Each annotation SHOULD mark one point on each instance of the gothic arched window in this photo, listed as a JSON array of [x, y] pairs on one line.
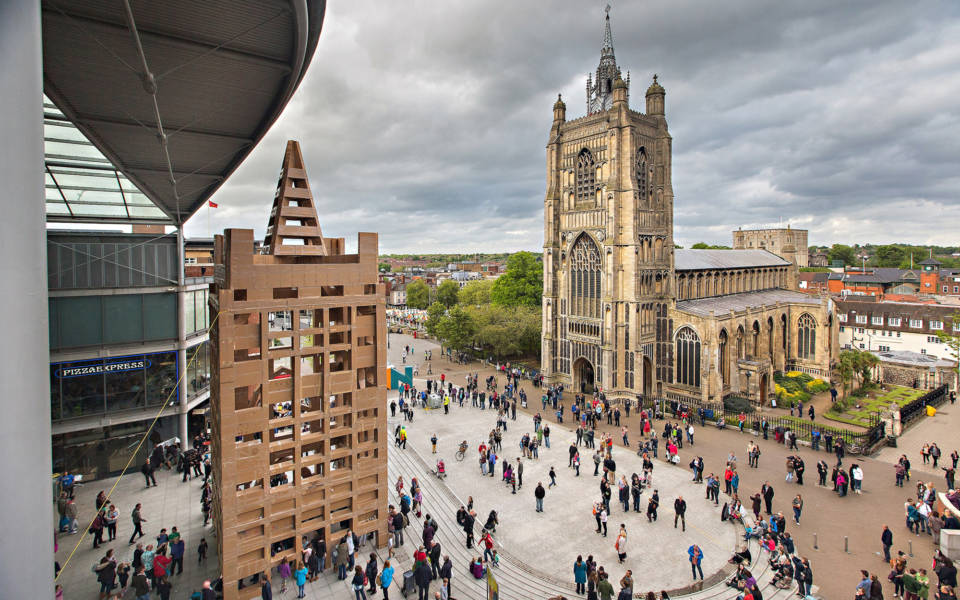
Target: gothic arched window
[[586, 177], [642, 174], [585, 265], [806, 337], [724, 358], [687, 350]]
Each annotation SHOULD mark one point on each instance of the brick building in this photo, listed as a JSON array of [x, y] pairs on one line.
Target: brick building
[[297, 401]]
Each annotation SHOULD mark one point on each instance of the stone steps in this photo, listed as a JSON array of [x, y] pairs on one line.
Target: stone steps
[[515, 579]]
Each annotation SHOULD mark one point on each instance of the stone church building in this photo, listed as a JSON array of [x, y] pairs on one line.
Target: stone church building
[[625, 311]]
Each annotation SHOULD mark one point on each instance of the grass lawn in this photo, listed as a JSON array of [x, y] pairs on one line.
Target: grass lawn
[[876, 401]]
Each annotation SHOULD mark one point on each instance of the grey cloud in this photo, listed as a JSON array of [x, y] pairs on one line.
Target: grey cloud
[[427, 121]]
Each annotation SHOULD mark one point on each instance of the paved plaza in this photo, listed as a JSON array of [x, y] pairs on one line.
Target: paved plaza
[[539, 548], [550, 541]]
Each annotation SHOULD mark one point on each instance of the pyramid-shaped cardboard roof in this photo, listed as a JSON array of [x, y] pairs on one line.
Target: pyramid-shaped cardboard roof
[[294, 229]]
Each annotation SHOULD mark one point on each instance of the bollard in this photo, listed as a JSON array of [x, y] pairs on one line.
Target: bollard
[[815, 546], [910, 548], [846, 544]]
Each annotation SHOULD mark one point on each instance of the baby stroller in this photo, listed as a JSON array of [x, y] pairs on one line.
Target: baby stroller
[[491, 525], [441, 470]]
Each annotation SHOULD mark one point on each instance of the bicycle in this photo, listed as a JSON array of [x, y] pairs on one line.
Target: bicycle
[[461, 452]]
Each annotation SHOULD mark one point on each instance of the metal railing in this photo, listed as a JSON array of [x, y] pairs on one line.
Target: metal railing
[[917, 408]]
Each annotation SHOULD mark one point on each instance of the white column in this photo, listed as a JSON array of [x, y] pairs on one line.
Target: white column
[[182, 431], [24, 360]]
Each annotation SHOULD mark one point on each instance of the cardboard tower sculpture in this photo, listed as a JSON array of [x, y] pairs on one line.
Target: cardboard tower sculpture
[[297, 401]]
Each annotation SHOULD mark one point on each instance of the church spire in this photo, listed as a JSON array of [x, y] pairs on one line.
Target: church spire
[[607, 50], [600, 89]]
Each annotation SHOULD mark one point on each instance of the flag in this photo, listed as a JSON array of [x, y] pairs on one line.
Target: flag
[[212, 203]]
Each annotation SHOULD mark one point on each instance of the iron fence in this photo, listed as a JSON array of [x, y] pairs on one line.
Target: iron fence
[[917, 408]]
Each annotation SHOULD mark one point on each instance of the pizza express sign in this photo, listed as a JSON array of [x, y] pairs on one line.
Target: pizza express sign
[[102, 368]]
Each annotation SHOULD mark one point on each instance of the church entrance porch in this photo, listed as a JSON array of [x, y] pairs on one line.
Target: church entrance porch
[[583, 376]]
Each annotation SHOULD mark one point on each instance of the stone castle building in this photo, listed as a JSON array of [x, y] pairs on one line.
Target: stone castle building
[[788, 243], [622, 308]]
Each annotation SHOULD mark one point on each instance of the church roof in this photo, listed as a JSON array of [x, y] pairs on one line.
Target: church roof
[[719, 305], [691, 260]]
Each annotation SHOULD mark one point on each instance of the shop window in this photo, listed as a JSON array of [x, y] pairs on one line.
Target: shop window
[[280, 410]]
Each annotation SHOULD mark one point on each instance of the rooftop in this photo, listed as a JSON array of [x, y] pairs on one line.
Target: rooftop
[[914, 358], [691, 260], [739, 302]]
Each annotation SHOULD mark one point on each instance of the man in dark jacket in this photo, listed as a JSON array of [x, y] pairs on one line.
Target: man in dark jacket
[[468, 520], [680, 511], [446, 572], [266, 590], [398, 529], [886, 538], [767, 492], [539, 494], [422, 577], [435, 559]]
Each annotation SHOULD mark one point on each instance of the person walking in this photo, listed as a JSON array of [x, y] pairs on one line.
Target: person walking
[[679, 512], [539, 494], [797, 508], [138, 522], [696, 555], [580, 574], [553, 477]]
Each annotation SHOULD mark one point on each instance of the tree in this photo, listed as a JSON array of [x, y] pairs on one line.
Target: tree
[[435, 315], [890, 256], [843, 253], [418, 294], [845, 368], [457, 329], [521, 284], [475, 293], [447, 293], [383, 267], [706, 246]]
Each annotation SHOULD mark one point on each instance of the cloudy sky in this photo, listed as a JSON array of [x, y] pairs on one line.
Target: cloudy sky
[[427, 121]]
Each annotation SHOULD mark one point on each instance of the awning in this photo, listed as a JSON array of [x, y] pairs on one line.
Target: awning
[[175, 94]]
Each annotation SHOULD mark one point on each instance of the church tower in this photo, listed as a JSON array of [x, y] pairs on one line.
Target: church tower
[[608, 240]]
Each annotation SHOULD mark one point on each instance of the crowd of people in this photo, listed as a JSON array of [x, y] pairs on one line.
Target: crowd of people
[[151, 566]]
